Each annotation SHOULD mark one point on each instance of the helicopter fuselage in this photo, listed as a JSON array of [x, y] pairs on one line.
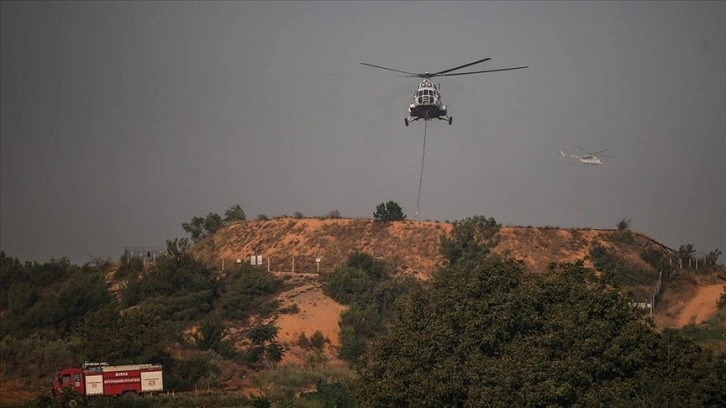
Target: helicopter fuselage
[[427, 104]]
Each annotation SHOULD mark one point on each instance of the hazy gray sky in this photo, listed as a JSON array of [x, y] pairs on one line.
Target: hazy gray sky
[[122, 120]]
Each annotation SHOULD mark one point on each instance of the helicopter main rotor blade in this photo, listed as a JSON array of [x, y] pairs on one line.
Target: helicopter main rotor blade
[[480, 72], [460, 67], [583, 149], [600, 151], [390, 69]]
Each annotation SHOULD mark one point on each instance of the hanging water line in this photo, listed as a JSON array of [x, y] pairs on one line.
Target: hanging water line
[[420, 180]]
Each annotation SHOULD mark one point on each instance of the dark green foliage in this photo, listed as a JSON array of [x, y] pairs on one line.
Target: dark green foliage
[[177, 287], [292, 309], [470, 239], [640, 282], [260, 401], [263, 334], [686, 252], [211, 337], [358, 325], [338, 394], [30, 356], [234, 213], [200, 370], [374, 268], [387, 212], [303, 341], [317, 341], [200, 227], [247, 290], [654, 258], [265, 347], [363, 283], [195, 228], [624, 236], [20, 297], [49, 298], [491, 336], [356, 279], [133, 336], [213, 223], [624, 223], [129, 266]]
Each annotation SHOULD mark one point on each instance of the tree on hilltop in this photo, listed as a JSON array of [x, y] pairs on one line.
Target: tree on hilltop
[[200, 227], [387, 212], [234, 213]]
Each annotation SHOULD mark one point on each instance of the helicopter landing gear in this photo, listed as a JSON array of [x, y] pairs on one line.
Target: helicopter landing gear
[[405, 120], [451, 119]]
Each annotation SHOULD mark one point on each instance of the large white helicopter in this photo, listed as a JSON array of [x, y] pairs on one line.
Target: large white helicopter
[[590, 158], [427, 103]]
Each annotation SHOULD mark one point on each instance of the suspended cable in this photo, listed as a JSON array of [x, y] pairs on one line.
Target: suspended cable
[[420, 180]]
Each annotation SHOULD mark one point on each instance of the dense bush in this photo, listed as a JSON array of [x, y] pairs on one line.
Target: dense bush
[[493, 336], [621, 272], [387, 212], [247, 290], [470, 239], [363, 284], [50, 298], [177, 287]]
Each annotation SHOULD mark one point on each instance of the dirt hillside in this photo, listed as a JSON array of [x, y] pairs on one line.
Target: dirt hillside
[[701, 306], [290, 246], [410, 247]]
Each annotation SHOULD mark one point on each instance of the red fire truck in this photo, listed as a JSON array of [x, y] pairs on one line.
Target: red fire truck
[[95, 379]]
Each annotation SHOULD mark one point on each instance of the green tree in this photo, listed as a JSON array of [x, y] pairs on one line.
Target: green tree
[[624, 223], [234, 213], [211, 337], [363, 284], [387, 212], [317, 341], [265, 346], [247, 290], [195, 228], [470, 239], [124, 338], [200, 227], [177, 287], [492, 336], [212, 223]]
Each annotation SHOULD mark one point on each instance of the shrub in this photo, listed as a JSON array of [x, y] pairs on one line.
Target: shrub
[[234, 213], [624, 223], [387, 212]]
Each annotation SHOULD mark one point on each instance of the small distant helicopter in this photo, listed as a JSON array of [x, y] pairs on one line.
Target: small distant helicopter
[[427, 103], [590, 158]]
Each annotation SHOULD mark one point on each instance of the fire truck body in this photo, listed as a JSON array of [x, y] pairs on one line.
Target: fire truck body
[[96, 379]]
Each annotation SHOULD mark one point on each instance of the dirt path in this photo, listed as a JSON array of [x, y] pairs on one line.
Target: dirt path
[[701, 306], [316, 311]]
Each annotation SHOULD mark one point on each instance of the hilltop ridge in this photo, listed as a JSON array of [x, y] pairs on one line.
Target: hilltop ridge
[[409, 247]]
